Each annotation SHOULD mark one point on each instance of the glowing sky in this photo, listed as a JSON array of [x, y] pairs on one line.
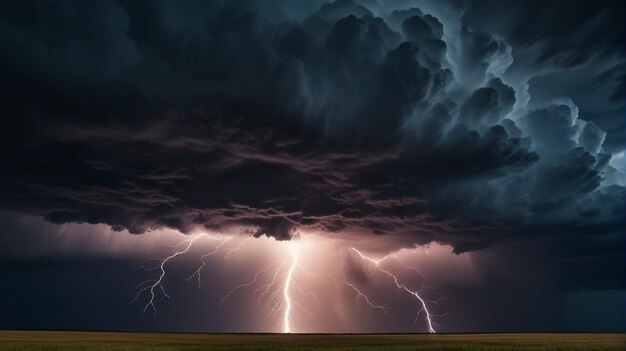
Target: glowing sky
[[313, 166]]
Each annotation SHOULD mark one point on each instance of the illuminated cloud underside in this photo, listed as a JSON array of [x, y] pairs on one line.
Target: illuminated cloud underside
[[280, 286]]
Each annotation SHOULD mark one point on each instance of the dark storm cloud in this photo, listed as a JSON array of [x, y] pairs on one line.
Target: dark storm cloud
[[563, 44], [555, 34], [184, 115]]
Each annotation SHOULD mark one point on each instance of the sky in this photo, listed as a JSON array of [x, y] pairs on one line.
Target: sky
[[313, 166]]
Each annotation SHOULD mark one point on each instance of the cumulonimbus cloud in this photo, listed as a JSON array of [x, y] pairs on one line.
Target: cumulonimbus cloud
[[355, 117]]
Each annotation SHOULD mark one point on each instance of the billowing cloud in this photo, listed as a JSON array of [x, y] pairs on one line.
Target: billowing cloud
[[352, 118]]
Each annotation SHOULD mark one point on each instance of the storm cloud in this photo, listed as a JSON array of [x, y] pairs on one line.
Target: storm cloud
[[360, 117]]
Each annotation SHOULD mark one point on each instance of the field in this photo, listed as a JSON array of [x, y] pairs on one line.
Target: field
[[25, 341]]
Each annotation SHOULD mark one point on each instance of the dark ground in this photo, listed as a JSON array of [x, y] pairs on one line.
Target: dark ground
[[43, 340]]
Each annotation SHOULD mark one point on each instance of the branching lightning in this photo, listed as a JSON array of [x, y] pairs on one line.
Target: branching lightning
[[276, 286], [278, 294], [423, 303], [153, 284]]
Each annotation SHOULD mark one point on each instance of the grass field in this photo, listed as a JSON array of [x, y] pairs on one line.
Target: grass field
[[26, 341]]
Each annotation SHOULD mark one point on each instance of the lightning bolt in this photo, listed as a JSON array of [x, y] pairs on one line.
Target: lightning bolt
[[287, 297], [277, 295], [153, 284], [276, 286], [423, 303]]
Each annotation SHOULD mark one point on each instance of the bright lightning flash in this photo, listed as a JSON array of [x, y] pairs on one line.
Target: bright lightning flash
[[281, 291], [279, 294], [286, 296]]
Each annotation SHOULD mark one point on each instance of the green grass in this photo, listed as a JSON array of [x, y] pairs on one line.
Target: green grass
[[79, 341]]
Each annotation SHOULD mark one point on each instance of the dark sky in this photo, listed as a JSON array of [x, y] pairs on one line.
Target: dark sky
[[492, 131]]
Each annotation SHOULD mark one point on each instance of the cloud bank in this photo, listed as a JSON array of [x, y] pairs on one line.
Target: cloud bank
[[425, 124]]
